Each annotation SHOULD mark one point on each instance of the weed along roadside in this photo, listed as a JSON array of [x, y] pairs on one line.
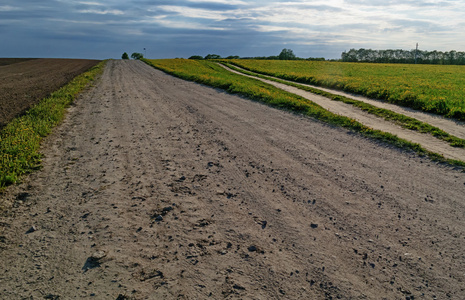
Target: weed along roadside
[[20, 139], [210, 73]]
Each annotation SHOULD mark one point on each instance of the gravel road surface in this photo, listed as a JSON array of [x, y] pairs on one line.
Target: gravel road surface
[[159, 188]]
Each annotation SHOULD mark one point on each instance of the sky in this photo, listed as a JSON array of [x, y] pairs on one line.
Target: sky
[[100, 29]]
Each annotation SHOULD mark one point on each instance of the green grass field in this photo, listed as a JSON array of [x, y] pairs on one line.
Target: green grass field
[[432, 88]]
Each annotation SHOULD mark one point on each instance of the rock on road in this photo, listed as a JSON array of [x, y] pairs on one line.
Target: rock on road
[[159, 188]]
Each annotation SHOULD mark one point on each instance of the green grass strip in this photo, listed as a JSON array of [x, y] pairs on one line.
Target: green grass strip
[[20, 139], [399, 119], [211, 74]]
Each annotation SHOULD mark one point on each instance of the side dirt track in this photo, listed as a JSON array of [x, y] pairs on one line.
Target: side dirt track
[[159, 188], [25, 82], [427, 141], [454, 127]]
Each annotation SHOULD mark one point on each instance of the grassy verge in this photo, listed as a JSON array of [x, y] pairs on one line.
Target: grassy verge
[[399, 119], [210, 73], [20, 139]]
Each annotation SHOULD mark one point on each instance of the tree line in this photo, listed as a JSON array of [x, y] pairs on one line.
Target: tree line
[[404, 56], [286, 54]]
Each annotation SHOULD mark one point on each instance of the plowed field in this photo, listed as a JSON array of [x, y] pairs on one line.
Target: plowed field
[[10, 61], [23, 82]]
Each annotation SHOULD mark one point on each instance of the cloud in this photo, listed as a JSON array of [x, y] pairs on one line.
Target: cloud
[[8, 8], [182, 11], [90, 3], [115, 12], [190, 26], [227, 2], [246, 28]]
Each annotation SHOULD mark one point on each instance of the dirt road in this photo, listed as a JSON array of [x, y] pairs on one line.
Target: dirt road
[[158, 188]]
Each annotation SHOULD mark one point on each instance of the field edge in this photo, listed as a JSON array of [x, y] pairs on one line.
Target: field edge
[[20, 139]]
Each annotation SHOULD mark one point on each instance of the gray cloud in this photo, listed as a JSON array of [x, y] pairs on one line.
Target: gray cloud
[[105, 29], [413, 3]]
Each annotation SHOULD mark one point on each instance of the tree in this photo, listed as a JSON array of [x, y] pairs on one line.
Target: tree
[[212, 56], [136, 55], [125, 56], [350, 56], [287, 54], [196, 57]]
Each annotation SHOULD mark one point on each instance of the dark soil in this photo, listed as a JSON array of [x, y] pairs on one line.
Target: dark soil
[[24, 82], [10, 61]]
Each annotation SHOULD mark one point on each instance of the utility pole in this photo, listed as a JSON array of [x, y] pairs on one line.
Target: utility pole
[[145, 52], [416, 54]]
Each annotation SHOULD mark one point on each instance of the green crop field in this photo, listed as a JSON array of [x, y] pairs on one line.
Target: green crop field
[[432, 88]]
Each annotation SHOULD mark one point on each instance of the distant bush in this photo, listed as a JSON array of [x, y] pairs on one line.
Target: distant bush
[[136, 55], [196, 57], [212, 56], [125, 56]]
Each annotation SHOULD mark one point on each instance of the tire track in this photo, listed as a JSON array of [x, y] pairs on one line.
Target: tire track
[[425, 140]]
